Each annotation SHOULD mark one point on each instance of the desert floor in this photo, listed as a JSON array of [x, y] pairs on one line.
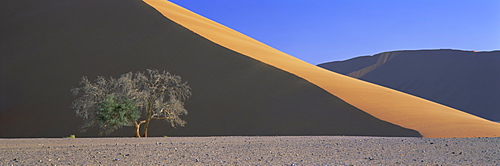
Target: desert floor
[[272, 150]]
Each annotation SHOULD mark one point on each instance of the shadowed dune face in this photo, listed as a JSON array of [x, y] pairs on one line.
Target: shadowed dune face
[[46, 47], [428, 118], [464, 80]]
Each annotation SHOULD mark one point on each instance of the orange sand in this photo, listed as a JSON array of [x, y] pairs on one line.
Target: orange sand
[[429, 118]]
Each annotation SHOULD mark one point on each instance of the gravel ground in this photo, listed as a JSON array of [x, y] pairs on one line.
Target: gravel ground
[[279, 150]]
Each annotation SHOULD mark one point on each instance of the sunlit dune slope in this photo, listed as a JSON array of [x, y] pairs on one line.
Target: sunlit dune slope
[[47, 46], [428, 118]]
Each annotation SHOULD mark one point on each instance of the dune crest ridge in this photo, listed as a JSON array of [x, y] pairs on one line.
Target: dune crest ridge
[[430, 119], [233, 94], [381, 61]]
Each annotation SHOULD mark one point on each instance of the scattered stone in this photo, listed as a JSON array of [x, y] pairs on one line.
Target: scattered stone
[[264, 150]]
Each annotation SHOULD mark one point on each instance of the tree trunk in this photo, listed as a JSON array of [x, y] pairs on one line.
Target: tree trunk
[[149, 113], [137, 127], [146, 125]]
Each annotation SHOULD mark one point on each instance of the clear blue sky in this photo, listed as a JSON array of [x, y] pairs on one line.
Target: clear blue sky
[[318, 31]]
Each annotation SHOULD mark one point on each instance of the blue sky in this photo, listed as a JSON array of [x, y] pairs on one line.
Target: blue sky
[[319, 31]]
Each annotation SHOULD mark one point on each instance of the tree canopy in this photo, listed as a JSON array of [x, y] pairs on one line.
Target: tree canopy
[[114, 113], [112, 103]]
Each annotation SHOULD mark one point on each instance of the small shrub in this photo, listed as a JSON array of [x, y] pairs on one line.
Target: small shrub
[[71, 136]]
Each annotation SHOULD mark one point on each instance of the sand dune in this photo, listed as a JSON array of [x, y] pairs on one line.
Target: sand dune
[[240, 86], [464, 80], [429, 118], [48, 46]]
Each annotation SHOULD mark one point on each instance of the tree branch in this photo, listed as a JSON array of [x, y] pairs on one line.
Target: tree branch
[[161, 118]]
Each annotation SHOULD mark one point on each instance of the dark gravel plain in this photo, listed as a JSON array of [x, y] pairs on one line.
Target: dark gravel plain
[[272, 150]]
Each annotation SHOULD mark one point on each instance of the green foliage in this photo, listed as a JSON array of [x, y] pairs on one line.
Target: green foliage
[[71, 136], [115, 113]]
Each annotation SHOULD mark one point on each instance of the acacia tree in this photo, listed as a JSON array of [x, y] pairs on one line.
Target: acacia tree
[[153, 94]]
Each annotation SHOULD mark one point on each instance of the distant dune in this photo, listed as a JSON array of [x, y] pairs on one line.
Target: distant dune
[[465, 80], [240, 86]]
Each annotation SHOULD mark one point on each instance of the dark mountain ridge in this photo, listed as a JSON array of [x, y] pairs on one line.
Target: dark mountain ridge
[[465, 80]]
